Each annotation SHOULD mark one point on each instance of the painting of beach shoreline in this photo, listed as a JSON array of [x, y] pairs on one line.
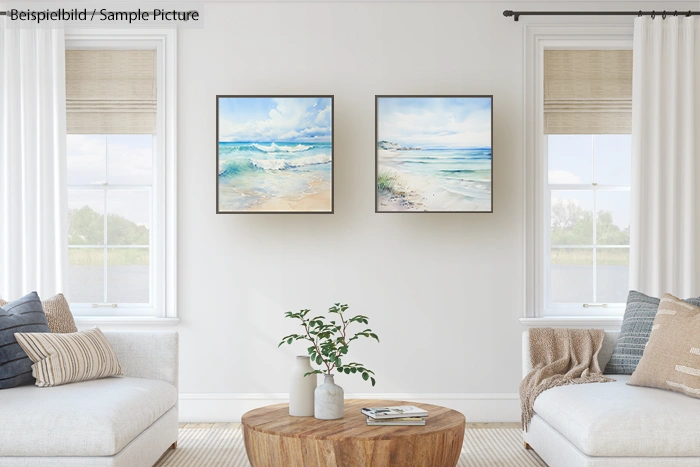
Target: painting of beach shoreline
[[274, 154], [433, 153]]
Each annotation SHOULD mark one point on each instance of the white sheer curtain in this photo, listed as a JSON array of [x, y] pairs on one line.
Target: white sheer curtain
[[33, 233], [665, 228]]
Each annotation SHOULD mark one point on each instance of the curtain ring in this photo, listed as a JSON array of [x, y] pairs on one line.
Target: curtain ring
[[664, 15], [675, 13], [688, 15], [653, 14], [640, 14]]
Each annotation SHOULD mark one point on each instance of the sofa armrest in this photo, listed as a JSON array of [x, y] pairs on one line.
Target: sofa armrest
[[151, 355]]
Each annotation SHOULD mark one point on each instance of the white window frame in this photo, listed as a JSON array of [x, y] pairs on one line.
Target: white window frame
[[163, 246], [539, 38]]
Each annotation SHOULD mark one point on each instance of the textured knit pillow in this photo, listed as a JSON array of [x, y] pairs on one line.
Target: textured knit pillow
[[634, 335], [68, 358], [672, 357], [23, 315], [57, 312]]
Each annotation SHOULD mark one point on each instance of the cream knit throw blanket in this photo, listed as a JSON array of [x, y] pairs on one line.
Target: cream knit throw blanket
[[560, 357]]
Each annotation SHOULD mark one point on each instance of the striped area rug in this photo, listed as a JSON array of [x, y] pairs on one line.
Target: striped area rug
[[219, 447]]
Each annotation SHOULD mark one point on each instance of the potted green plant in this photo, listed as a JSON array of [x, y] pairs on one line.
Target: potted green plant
[[330, 341]]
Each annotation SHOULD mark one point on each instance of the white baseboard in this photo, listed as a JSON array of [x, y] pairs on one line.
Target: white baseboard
[[229, 407]]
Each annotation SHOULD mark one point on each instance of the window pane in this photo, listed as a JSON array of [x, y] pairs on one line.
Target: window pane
[[86, 275], [571, 275], [86, 159], [570, 159], [613, 159], [612, 272], [130, 159], [572, 217], [128, 278], [86, 217], [613, 220], [129, 217]]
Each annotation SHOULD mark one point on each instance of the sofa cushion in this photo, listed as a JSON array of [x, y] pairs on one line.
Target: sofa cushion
[[672, 357], [91, 418], [636, 326], [23, 315], [69, 357], [617, 420], [58, 314]]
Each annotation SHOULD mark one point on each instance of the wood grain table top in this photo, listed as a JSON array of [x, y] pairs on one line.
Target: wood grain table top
[[275, 419]]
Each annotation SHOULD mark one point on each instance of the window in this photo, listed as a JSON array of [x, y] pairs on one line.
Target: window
[[588, 207], [121, 173], [578, 173], [110, 219]]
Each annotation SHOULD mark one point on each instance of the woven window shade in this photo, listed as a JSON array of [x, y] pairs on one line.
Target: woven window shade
[[111, 91], [587, 91]]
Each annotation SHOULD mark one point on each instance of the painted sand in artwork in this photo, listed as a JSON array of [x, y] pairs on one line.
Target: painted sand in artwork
[[434, 154], [275, 154]]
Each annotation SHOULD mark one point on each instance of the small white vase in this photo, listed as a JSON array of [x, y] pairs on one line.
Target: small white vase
[[329, 400], [301, 389]]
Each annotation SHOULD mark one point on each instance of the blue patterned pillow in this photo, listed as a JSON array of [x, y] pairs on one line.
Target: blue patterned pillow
[[634, 335], [23, 315]]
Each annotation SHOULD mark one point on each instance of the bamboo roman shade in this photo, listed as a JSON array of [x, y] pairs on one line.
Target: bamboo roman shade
[[111, 91], [587, 91]]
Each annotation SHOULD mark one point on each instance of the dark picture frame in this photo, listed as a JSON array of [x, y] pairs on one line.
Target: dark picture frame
[[377, 140], [218, 172]]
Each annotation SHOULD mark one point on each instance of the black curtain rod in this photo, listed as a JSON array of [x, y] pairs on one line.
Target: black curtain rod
[[517, 14]]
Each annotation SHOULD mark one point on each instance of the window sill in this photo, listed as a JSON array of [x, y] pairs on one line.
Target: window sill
[[84, 321], [609, 323]]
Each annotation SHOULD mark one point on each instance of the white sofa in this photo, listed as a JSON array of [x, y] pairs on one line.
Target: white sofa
[[613, 424], [127, 421]]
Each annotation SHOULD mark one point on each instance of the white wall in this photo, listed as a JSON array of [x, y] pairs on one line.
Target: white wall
[[443, 291]]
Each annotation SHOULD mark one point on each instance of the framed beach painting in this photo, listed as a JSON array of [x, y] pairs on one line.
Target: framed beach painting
[[274, 154], [433, 153]]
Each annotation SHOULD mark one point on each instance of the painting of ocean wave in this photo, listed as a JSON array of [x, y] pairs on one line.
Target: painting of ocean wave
[[275, 154], [434, 154]]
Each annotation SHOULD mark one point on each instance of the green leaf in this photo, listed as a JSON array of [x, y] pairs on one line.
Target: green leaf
[[319, 360], [289, 341], [365, 376], [354, 370], [337, 361], [346, 370], [373, 381]]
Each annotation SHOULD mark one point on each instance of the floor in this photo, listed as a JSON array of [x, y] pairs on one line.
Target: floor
[[222, 445], [204, 426]]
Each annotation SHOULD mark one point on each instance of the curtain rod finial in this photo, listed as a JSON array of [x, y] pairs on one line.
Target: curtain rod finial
[[508, 13]]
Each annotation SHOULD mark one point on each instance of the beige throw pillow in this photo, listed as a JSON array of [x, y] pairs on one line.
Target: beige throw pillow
[[671, 359], [68, 358], [58, 314]]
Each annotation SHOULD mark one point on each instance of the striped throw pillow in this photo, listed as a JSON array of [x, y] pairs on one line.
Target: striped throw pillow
[[23, 315], [671, 359], [58, 313], [69, 358]]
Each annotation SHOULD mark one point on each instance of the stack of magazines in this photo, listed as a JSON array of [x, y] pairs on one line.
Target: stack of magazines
[[402, 415]]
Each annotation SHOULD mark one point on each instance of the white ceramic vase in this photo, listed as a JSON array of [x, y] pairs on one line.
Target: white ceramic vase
[[329, 400], [301, 389]]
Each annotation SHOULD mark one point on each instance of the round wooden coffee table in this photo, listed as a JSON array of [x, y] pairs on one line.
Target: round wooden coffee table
[[273, 438]]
